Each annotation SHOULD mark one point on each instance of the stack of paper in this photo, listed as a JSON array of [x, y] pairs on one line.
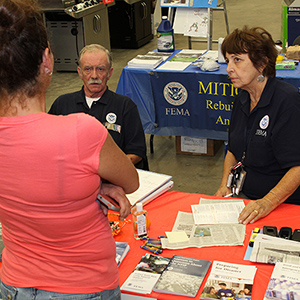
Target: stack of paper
[[181, 60], [145, 61], [269, 249], [187, 55], [164, 55]]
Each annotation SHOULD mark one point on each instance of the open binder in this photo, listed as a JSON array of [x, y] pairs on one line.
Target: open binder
[[152, 185]]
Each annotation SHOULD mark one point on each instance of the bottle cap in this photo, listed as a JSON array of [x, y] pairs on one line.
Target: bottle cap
[[139, 207]]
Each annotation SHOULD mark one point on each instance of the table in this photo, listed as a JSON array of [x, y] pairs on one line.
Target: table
[[185, 103], [162, 213]]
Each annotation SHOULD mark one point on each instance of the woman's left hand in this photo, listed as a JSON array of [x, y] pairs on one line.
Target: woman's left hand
[[260, 208], [255, 210]]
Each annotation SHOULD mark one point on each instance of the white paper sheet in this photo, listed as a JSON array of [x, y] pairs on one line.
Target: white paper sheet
[[217, 213], [174, 65]]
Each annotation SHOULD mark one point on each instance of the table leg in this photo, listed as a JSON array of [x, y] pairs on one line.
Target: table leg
[[151, 143]]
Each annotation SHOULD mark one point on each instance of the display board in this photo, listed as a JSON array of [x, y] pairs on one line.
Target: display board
[[189, 3], [191, 21]]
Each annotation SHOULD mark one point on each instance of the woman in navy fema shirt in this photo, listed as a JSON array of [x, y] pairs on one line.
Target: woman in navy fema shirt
[[264, 133]]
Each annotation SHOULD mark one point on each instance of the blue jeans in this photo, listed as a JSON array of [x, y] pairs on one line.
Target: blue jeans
[[16, 293]]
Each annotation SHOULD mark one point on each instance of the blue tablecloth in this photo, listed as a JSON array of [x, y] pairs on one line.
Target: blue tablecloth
[[185, 103]]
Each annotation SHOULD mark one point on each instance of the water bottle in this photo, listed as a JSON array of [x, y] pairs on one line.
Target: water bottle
[[165, 36]]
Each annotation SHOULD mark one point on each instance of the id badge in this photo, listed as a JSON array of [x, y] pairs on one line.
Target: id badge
[[236, 178]]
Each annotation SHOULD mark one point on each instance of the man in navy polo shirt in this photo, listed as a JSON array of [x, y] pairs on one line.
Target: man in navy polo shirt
[[117, 113]]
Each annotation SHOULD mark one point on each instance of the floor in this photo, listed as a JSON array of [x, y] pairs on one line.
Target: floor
[[194, 174]]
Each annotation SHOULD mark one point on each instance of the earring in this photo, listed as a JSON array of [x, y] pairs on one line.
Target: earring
[[261, 78], [48, 71]]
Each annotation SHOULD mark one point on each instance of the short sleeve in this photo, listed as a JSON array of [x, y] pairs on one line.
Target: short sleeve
[[91, 135], [286, 137]]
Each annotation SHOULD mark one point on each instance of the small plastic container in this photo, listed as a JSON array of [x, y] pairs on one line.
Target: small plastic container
[[165, 36], [140, 223]]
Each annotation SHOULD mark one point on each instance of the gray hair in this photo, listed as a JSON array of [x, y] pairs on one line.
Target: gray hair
[[94, 48]]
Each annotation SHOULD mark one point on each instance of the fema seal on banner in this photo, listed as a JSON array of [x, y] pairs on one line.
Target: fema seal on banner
[[175, 93]]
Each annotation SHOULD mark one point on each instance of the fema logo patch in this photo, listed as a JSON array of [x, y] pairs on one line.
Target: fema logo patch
[[264, 122], [111, 118], [175, 93]]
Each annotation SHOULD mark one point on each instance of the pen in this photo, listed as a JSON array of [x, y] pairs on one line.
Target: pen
[[229, 195]]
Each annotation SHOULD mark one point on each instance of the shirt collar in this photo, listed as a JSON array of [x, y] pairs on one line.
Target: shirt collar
[[265, 98], [102, 100]]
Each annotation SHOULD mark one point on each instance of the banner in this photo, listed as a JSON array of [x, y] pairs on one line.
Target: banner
[[192, 100]]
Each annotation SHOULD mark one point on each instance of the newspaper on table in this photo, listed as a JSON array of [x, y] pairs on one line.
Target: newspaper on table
[[284, 282], [236, 277], [209, 201], [217, 212], [269, 249], [205, 235]]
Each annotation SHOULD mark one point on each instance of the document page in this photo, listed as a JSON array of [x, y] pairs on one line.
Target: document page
[[212, 201], [217, 213]]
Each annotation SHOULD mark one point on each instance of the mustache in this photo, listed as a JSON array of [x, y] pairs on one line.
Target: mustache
[[95, 81]]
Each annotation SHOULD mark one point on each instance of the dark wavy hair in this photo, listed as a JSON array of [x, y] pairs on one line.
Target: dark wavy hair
[[23, 39], [259, 45]]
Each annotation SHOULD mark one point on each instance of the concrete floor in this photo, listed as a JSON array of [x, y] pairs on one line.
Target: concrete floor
[[195, 174]]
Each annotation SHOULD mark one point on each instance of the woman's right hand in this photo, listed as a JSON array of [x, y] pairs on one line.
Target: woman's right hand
[[229, 162], [118, 194], [223, 191]]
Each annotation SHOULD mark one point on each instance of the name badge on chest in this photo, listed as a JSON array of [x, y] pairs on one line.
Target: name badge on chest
[[113, 127]]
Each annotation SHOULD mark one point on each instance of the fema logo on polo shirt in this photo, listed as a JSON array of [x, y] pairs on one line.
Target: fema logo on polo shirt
[[111, 118], [264, 122], [175, 93]]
